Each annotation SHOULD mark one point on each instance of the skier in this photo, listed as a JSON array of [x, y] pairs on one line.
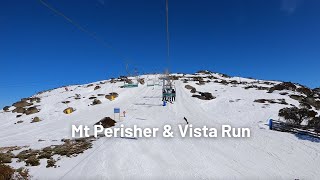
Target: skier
[[164, 95], [173, 95]]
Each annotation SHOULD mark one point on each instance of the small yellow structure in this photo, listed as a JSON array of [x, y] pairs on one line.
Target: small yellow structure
[[69, 110]]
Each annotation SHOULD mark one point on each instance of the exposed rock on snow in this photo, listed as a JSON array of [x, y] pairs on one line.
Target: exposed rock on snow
[[106, 122], [65, 102], [204, 96], [272, 101], [141, 81], [97, 87], [283, 86], [19, 110], [109, 96], [21, 104], [6, 108], [35, 119], [31, 110], [69, 109], [96, 101]]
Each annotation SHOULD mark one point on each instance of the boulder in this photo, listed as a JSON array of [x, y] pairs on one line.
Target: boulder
[[141, 81], [114, 94], [106, 122], [261, 101], [96, 101], [21, 104], [35, 119], [97, 87], [189, 87], [6, 108], [31, 110], [19, 110], [224, 82], [201, 83], [109, 96], [204, 96], [196, 78]]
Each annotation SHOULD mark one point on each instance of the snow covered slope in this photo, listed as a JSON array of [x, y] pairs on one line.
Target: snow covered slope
[[265, 155]]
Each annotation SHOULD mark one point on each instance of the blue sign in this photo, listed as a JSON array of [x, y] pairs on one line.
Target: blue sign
[[116, 110]]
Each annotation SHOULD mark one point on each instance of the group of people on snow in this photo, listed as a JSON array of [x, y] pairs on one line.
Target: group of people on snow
[[168, 95]]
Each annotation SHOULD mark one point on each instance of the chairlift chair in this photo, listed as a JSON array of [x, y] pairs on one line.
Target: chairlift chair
[[167, 88], [130, 84], [150, 82]]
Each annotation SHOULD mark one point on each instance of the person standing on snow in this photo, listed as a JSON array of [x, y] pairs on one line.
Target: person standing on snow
[[163, 95], [173, 95]]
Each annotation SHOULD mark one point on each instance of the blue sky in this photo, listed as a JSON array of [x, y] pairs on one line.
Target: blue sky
[[266, 39]]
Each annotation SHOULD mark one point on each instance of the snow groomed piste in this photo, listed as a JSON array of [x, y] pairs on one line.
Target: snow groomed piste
[[266, 154]]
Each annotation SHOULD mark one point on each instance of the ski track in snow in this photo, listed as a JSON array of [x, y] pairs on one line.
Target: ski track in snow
[[266, 155]]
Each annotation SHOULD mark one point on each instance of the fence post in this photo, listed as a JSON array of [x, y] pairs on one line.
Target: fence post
[[270, 124]]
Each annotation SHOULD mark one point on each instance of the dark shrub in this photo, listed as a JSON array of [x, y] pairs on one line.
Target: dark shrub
[[305, 90], [6, 157], [32, 161], [295, 115], [283, 86], [6, 172]]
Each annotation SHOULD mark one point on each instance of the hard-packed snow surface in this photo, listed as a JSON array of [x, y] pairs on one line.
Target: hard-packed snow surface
[[266, 155]]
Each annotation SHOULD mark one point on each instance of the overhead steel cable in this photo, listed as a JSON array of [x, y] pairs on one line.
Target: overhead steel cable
[[168, 35], [77, 25]]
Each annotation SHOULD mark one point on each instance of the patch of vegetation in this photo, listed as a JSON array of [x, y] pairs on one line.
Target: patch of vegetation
[[6, 157], [6, 172], [296, 116], [51, 163], [283, 86], [32, 161], [26, 154], [68, 148]]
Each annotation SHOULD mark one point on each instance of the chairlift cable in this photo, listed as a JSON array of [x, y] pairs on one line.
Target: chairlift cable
[[81, 28]]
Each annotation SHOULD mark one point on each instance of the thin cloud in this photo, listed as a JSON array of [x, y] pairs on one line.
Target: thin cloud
[[102, 2], [290, 6]]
